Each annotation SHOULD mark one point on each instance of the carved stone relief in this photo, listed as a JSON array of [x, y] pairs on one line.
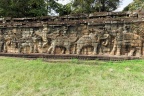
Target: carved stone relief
[[92, 36]]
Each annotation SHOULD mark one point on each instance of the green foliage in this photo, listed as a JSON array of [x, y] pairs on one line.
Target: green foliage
[[52, 5], [22, 8], [88, 6], [135, 5], [37, 8], [30, 8], [64, 9]]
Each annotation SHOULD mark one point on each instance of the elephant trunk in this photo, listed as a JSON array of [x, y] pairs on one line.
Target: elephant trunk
[[107, 41], [44, 44]]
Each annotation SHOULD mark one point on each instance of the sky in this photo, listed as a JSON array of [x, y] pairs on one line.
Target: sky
[[123, 4]]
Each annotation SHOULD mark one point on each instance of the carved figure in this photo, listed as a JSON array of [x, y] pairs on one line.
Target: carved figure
[[37, 42], [27, 42], [104, 42], [7, 42], [43, 35], [15, 37], [92, 39], [61, 41], [133, 41], [1, 41]]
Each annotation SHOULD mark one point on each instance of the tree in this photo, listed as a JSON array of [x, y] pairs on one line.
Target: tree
[[51, 5], [37, 8], [135, 5], [88, 6], [30, 8], [22, 8], [64, 9]]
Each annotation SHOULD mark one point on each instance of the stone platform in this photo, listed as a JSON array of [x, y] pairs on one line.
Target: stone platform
[[72, 56]]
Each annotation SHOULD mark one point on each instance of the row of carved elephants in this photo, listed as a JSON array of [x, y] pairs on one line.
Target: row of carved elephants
[[42, 42]]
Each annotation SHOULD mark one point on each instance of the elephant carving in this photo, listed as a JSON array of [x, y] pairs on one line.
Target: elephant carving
[[37, 43], [27, 42], [7, 42], [60, 40], [131, 40], [92, 39], [43, 34]]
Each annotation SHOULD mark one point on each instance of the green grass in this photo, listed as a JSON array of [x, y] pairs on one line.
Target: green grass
[[23, 77]]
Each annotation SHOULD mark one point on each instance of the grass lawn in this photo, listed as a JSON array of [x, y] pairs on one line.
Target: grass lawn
[[23, 77]]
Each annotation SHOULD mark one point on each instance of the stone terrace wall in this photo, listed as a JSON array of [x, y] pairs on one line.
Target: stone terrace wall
[[100, 33]]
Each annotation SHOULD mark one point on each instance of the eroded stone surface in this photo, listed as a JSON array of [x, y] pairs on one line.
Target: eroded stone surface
[[100, 33]]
